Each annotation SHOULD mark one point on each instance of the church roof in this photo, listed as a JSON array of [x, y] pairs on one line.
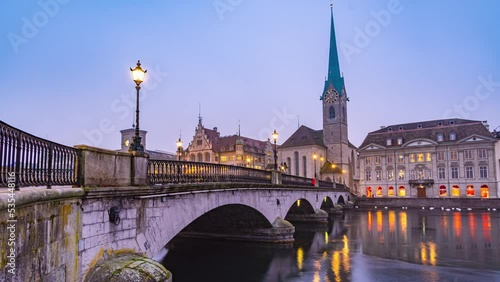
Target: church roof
[[304, 136], [426, 130]]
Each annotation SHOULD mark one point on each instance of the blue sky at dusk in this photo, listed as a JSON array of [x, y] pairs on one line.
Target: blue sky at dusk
[[65, 65]]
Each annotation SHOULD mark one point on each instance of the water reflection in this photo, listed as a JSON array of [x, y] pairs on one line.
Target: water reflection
[[381, 245]]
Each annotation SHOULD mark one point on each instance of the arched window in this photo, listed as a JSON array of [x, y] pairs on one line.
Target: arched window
[[485, 192], [453, 136], [288, 165], [296, 158], [304, 164], [379, 191], [390, 191], [470, 191], [343, 113], [192, 157], [455, 191], [199, 157], [442, 191], [369, 192], [207, 157], [332, 112], [402, 191]]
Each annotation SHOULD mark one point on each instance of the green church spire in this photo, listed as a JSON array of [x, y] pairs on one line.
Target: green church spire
[[334, 78]]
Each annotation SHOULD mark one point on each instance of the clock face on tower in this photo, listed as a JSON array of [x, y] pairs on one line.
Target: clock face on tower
[[331, 96], [127, 143]]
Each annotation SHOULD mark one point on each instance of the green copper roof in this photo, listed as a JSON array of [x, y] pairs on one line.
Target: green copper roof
[[334, 77]]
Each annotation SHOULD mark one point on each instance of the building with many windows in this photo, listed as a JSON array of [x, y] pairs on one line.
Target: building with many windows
[[440, 158], [208, 146]]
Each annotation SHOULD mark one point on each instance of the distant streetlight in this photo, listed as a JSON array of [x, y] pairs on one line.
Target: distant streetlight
[[138, 77], [179, 148], [315, 157], [275, 137]]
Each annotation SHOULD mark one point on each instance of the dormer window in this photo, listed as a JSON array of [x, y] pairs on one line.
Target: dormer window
[[388, 142], [390, 129], [453, 136], [452, 122], [440, 137], [401, 128], [440, 123], [419, 126], [400, 141]]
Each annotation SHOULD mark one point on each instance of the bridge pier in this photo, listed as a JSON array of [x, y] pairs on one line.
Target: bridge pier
[[319, 216]]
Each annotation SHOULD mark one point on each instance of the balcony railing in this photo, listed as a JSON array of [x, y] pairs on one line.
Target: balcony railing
[[164, 172], [27, 160]]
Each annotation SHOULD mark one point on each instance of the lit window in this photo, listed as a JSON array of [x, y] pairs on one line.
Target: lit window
[[378, 174], [390, 191], [401, 174], [390, 174], [483, 172], [442, 191], [420, 158], [485, 193], [377, 160], [428, 157], [441, 173], [231, 158], [440, 156], [401, 159], [402, 191], [454, 172], [453, 136], [223, 159], [468, 154], [469, 172], [368, 175], [400, 141], [389, 142], [455, 191], [412, 158], [369, 193], [481, 154], [420, 174], [470, 191], [379, 191], [440, 137]]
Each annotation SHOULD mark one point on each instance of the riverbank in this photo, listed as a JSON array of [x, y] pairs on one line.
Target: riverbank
[[475, 204]]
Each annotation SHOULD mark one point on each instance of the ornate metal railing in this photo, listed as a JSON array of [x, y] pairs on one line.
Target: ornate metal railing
[[295, 180], [164, 172], [28, 160]]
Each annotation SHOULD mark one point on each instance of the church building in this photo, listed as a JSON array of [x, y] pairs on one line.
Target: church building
[[325, 154]]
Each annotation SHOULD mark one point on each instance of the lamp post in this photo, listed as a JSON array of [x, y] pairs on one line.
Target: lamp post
[[275, 137], [179, 148], [315, 157], [138, 77]]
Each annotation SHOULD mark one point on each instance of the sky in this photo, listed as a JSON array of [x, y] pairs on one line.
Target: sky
[[259, 64]]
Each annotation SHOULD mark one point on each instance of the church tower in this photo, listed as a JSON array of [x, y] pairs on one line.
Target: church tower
[[334, 100]]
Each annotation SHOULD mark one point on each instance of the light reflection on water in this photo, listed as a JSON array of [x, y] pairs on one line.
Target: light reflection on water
[[378, 245]]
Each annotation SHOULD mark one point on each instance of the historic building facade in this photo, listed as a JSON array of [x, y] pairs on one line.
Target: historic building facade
[[436, 159], [208, 146], [325, 154]]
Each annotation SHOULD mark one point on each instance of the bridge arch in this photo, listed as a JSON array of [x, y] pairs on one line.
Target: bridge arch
[[341, 200], [327, 203]]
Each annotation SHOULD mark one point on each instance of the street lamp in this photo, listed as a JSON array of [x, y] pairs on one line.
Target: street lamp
[[275, 137], [315, 157], [179, 148], [138, 77]]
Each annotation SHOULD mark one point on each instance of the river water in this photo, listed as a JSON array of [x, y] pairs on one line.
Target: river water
[[369, 245]]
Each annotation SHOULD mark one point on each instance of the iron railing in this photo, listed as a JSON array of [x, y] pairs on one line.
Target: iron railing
[[295, 180], [34, 161], [164, 172]]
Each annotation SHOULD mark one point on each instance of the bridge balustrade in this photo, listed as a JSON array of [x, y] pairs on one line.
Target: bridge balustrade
[[35, 161], [164, 172]]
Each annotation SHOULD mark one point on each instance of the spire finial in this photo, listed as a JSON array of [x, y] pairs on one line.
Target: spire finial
[[239, 128], [199, 114]]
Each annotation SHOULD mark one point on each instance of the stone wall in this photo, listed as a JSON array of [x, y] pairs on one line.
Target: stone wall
[[46, 235]]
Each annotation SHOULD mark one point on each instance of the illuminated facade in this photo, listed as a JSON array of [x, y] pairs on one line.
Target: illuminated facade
[[208, 146], [434, 159]]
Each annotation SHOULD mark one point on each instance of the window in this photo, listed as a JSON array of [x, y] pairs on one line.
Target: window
[[420, 157], [402, 191], [377, 160], [440, 137], [390, 174], [483, 172], [442, 191], [400, 141], [379, 191], [401, 174], [388, 142], [429, 174], [420, 174], [401, 128], [454, 172], [468, 154], [453, 155], [369, 193], [419, 126], [428, 157], [481, 154], [296, 159], [389, 159], [239, 157], [231, 148], [455, 191], [470, 191], [199, 142], [368, 160], [441, 173], [413, 175], [332, 112], [223, 159], [469, 172], [412, 158], [231, 158], [440, 156], [453, 136], [378, 174], [485, 193], [390, 192], [368, 175], [304, 165], [401, 159]]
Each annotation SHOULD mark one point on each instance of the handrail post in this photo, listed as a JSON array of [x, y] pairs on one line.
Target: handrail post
[[18, 161], [49, 184]]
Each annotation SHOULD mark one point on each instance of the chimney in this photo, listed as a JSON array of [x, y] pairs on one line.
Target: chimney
[[215, 129], [485, 123]]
